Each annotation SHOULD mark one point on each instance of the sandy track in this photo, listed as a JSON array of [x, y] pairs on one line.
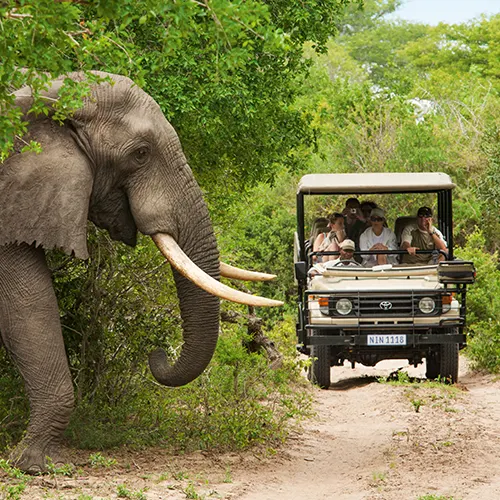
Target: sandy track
[[366, 442]]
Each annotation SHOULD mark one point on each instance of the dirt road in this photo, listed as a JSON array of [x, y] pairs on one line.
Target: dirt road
[[368, 442]]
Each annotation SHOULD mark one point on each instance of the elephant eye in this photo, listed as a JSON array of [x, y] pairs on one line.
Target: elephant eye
[[141, 154]]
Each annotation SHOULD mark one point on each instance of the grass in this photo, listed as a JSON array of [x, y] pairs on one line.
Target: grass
[[19, 481], [191, 492], [97, 460], [378, 478], [423, 392], [123, 492], [435, 497]]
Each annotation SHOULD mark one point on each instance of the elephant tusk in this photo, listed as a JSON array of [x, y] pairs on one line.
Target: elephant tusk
[[242, 274], [177, 258]]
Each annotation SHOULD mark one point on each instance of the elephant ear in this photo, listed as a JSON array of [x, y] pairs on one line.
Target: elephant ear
[[44, 197]]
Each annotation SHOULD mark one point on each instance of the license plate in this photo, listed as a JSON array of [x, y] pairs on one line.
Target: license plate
[[386, 339]]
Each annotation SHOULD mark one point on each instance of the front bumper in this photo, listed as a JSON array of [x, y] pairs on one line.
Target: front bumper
[[412, 339]]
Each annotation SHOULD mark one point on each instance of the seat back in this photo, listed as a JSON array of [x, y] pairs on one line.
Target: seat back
[[401, 223], [320, 225]]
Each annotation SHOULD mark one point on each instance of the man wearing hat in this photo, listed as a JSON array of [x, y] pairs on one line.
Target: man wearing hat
[[378, 237], [423, 236], [346, 249]]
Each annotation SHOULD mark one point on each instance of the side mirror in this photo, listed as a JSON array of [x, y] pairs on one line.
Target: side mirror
[[300, 271]]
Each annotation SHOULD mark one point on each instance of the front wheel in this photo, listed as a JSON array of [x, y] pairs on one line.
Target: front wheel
[[448, 369], [443, 363], [319, 371]]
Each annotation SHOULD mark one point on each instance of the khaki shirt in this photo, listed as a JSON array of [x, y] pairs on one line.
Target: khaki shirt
[[423, 241]]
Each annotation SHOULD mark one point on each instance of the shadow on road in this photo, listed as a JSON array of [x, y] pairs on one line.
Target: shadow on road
[[352, 383], [363, 380]]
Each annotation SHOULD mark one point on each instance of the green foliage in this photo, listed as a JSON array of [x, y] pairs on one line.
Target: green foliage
[[14, 488], [257, 233], [435, 497], [237, 402], [14, 407], [123, 492], [483, 301], [191, 493], [224, 73], [62, 470], [98, 460]]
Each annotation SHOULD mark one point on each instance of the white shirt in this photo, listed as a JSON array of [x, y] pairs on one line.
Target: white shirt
[[369, 238], [330, 264], [406, 234]]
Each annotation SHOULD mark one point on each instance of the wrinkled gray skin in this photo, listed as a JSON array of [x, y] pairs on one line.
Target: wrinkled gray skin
[[119, 163]]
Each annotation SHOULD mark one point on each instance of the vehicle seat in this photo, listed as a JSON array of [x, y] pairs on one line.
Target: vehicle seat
[[320, 225], [401, 223]]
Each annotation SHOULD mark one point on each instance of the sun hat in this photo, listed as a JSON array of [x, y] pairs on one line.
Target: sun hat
[[347, 245], [377, 212]]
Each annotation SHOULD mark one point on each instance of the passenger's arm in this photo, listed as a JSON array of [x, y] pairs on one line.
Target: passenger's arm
[[438, 242], [392, 243], [332, 247], [406, 245], [406, 237], [363, 242]]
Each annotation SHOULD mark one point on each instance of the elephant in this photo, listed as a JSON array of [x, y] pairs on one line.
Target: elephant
[[119, 163]]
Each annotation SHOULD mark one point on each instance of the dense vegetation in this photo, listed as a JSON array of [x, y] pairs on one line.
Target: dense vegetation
[[260, 92]]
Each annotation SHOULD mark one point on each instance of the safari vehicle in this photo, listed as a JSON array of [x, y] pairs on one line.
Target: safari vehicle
[[365, 315]]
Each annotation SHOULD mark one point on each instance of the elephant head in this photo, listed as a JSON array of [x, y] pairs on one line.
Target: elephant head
[[119, 163]]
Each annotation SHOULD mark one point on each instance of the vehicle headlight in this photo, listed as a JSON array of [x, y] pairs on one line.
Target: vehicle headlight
[[343, 306], [427, 305]]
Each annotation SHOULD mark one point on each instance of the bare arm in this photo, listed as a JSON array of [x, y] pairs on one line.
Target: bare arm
[[438, 242]]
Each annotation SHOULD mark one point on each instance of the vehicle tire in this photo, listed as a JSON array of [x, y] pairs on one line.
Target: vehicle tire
[[443, 363], [448, 367], [319, 372]]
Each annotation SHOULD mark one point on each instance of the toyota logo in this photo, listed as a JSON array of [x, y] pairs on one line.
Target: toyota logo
[[385, 305]]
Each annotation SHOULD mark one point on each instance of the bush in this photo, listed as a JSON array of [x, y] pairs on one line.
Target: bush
[[239, 401], [483, 304]]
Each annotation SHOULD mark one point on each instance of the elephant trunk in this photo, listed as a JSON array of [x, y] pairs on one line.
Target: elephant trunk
[[200, 317]]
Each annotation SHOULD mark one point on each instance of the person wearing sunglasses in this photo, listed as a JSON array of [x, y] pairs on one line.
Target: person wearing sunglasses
[[423, 236], [378, 237], [346, 257]]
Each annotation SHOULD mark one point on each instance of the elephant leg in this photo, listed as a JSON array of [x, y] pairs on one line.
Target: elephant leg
[[31, 331]]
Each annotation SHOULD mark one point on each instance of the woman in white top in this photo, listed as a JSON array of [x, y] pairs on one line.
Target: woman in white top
[[378, 237], [329, 242]]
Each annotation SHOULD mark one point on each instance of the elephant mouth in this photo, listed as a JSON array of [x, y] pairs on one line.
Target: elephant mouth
[[178, 259]]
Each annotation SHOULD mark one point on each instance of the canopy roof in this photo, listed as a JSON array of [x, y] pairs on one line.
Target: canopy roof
[[390, 182]]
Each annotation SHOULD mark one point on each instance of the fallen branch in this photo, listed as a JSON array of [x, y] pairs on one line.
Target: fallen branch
[[258, 339]]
